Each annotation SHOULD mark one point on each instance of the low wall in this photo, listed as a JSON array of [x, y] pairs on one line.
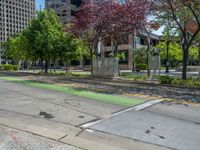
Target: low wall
[[106, 67], [190, 69]]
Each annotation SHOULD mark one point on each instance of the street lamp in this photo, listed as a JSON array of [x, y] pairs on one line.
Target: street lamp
[[167, 58]]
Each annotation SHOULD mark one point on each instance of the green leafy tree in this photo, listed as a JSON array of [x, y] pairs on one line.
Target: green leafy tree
[[41, 37], [70, 48], [16, 48], [45, 40], [183, 16], [175, 53], [140, 56]]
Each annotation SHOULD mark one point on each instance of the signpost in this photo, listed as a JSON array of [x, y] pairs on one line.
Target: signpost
[[154, 63]]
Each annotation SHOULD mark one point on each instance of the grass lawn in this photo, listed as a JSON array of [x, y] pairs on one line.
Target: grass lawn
[[113, 99]]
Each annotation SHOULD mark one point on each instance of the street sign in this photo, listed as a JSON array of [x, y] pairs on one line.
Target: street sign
[[154, 63]]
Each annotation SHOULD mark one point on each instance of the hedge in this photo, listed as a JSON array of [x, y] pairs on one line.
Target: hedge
[[9, 67], [141, 67], [190, 82]]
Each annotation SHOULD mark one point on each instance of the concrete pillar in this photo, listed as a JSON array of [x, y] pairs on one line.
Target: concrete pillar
[[81, 62], [130, 57], [102, 50]]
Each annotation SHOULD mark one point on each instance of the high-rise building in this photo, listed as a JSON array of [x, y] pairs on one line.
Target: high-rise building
[[14, 17], [65, 9]]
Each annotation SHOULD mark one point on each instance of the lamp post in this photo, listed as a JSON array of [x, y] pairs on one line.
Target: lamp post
[[149, 47], [167, 58]]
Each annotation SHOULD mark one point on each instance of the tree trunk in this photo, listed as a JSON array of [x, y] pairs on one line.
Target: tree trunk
[[66, 66], [42, 66], [185, 63], [54, 66], [148, 50], [34, 66], [26, 66], [12, 61], [46, 66], [116, 49], [91, 61]]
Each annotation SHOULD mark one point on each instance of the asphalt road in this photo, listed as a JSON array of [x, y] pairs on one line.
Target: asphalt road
[[27, 111], [170, 125]]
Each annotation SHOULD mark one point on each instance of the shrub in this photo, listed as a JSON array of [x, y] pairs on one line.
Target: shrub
[[7, 67], [125, 74], [15, 67], [190, 82], [166, 80], [138, 78], [1, 67], [141, 67]]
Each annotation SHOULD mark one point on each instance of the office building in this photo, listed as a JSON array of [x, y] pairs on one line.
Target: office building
[[14, 17], [65, 9]]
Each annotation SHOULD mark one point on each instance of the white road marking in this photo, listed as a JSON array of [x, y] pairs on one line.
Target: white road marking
[[136, 108], [89, 130], [147, 104], [84, 126]]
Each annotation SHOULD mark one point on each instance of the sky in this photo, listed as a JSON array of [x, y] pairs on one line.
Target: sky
[[39, 3]]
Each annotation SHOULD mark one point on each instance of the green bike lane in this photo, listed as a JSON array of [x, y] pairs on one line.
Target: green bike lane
[[107, 98]]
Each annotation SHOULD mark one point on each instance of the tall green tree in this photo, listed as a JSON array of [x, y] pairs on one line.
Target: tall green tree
[[70, 48], [16, 48], [183, 16], [175, 53]]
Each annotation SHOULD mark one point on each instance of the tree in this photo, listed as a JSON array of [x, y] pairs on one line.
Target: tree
[[70, 48], [45, 40], [111, 19], [174, 53], [41, 37], [184, 17], [15, 49], [140, 56]]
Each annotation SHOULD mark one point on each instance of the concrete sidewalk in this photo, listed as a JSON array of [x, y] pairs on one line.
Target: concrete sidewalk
[[12, 139]]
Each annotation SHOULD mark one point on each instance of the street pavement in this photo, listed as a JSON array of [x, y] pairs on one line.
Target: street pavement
[[32, 113], [169, 125]]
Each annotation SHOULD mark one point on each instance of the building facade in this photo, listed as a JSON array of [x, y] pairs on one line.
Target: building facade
[[131, 44], [65, 9], [14, 17]]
